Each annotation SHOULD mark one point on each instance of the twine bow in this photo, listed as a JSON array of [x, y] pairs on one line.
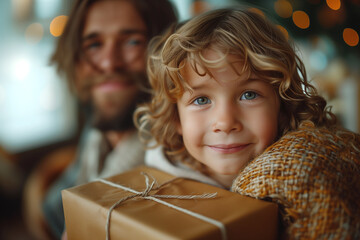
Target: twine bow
[[150, 186]]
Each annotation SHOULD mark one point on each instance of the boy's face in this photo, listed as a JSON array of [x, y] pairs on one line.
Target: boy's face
[[227, 120]]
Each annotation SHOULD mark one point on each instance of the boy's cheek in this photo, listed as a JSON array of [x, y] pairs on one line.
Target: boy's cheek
[[179, 128]]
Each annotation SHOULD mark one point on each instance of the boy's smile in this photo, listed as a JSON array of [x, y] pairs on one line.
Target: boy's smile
[[228, 148], [228, 119]]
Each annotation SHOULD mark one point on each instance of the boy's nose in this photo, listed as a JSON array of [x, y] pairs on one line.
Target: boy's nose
[[227, 120]]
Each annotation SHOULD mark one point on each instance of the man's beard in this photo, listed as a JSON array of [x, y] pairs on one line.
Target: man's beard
[[123, 120]]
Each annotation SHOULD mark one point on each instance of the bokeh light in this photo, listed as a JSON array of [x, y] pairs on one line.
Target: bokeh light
[[283, 8], [284, 31], [2, 95], [49, 101], [198, 7], [21, 9], [318, 60], [34, 33], [258, 11], [334, 4], [20, 68], [351, 37], [301, 19], [57, 25]]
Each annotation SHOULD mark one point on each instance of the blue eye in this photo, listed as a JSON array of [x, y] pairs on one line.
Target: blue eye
[[202, 101], [249, 95], [133, 42], [93, 45]]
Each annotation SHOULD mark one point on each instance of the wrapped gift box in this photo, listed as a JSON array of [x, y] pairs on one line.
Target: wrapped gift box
[[86, 209]]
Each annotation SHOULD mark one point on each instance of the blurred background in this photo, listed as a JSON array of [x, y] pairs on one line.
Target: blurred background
[[38, 113]]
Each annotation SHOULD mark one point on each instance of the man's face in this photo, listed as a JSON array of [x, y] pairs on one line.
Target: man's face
[[113, 60]]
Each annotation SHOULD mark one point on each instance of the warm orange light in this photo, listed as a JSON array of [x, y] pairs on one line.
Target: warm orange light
[[351, 37], [258, 11], [34, 33], [283, 8], [57, 25], [284, 31], [301, 19], [334, 4], [199, 7]]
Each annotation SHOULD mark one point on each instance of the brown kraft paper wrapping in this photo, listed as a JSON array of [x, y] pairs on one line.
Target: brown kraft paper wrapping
[[86, 208]]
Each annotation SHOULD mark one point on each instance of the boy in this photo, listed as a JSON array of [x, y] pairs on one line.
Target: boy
[[228, 92]]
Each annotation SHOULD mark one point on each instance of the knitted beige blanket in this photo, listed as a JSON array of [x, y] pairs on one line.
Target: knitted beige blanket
[[314, 176]]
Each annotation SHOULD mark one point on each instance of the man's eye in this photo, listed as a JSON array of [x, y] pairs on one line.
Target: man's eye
[[92, 45], [133, 42], [202, 101], [249, 95]]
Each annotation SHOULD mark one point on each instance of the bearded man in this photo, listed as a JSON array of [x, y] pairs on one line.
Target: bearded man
[[102, 54]]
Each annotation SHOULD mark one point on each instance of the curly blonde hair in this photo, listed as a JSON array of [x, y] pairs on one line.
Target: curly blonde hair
[[261, 46]]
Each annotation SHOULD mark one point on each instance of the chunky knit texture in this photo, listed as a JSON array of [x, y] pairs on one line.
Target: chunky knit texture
[[314, 176]]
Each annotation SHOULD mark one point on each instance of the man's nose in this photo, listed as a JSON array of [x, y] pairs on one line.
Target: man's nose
[[111, 59], [226, 119]]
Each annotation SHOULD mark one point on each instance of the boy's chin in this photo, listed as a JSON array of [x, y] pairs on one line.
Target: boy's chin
[[224, 178], [226, 173]]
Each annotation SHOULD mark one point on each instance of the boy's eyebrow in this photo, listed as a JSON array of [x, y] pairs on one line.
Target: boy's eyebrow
[[251, 79], [242, 81], [200, 85]]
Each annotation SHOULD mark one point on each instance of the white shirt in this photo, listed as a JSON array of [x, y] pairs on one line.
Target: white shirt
[[127, 154], [155, 158]]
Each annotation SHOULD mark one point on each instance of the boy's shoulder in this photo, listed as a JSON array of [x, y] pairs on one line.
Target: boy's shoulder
[[313, 173]]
